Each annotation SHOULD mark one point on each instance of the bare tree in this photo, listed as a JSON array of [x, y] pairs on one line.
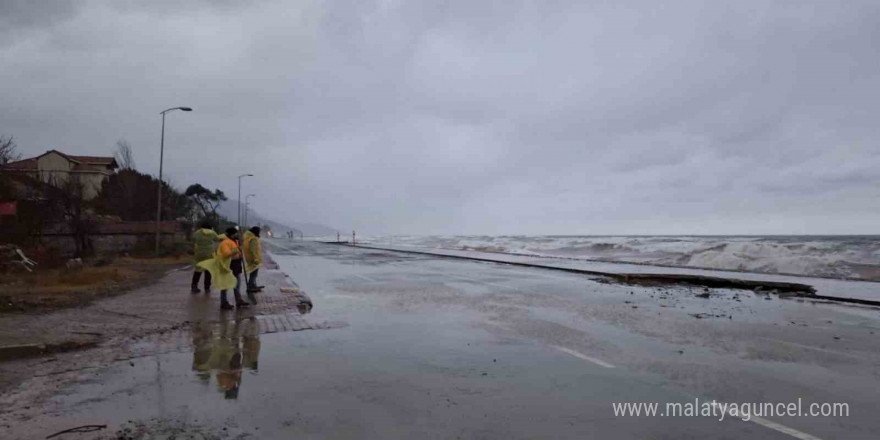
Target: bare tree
[[65, 197], [124, 155], [8, 151]]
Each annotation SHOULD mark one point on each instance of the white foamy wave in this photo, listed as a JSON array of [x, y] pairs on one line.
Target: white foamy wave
[[856, 257]]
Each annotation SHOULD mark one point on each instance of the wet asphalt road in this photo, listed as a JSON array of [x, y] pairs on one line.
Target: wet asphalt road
[[425, 347]]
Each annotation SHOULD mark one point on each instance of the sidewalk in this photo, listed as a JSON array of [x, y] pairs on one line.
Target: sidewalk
[[155, 317]]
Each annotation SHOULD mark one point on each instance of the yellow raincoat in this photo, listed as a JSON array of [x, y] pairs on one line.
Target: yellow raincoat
[[203, 243], [253, 251], [218, 266]]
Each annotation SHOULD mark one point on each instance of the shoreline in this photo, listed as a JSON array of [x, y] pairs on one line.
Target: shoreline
[[636, 263], [804, 291]]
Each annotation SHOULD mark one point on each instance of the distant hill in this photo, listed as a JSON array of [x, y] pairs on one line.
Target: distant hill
[[229, 208]]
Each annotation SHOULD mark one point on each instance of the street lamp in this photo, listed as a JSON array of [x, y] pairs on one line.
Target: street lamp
[[246, 205], [239, 195], [161, 157]]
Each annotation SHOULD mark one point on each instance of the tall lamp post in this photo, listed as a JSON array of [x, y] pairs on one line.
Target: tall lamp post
[[161, 159], [239, 196], [241, 233], [246, 205]]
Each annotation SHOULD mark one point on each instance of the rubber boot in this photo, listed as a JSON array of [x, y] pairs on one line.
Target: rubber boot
[[240, 303]]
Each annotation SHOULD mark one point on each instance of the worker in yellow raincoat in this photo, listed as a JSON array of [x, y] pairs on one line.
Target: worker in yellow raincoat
[[203, 243], [253, 255], [223, 276]]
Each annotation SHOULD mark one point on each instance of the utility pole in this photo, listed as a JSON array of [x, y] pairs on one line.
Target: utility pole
[[239, 196], [246, 206], [240, 232]]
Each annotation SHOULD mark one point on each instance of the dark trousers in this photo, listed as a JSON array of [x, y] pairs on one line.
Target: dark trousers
[[197, 275], [235, 291], [252, 279]]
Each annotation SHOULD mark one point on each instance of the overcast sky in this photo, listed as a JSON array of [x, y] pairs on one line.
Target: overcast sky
[[477, 117]]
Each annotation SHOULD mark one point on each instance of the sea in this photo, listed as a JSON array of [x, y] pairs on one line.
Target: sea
[[849, 257]]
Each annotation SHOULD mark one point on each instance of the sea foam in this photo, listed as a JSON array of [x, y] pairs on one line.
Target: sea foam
[[853, 257]]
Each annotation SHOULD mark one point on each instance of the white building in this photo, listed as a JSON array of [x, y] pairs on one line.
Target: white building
[[55, 167]]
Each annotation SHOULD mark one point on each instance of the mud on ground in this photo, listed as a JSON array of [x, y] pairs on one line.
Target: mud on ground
[[52, 289], [113, 326]]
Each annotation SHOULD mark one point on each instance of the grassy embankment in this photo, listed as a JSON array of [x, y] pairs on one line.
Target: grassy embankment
[[47, 289]]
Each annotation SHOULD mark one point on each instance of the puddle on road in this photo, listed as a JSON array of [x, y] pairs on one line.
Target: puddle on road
[[167, 385], [416, 373], [224, 351], [239, 384]]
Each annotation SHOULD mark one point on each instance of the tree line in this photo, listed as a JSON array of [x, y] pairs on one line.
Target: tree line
[[127, 194]]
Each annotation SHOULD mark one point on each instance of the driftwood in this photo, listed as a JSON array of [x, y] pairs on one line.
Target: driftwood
[[12, 256], [715, 282]]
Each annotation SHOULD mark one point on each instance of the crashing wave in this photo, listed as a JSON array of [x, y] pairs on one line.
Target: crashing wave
[[854, 257]]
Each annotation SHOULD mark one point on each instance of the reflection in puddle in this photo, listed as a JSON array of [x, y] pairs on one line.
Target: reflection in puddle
[[225, 349]]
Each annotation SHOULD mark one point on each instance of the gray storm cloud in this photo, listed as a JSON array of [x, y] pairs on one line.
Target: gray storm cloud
[[488, 117]]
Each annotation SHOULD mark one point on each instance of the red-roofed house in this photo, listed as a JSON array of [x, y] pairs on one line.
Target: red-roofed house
[[54, 167]]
